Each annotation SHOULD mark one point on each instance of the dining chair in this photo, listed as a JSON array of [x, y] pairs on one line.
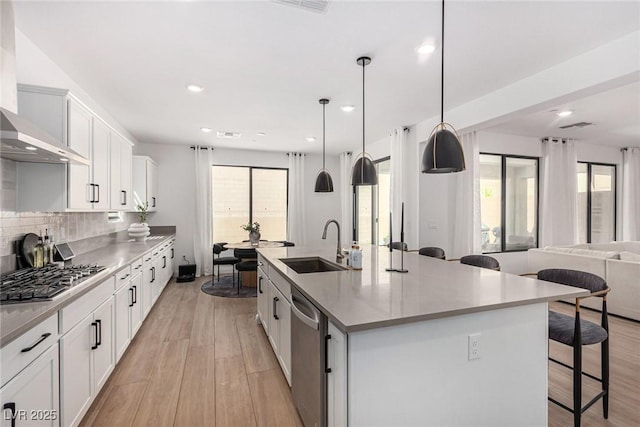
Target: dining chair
[[248, 262], [218, 248], [575, 332]]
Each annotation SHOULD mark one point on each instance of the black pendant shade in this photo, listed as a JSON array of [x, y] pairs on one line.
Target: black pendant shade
[[324, 183], [443, 153], [364, 171]]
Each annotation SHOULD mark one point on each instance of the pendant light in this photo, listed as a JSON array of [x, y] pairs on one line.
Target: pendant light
[[324, 183], [444, 152], [364, 171]]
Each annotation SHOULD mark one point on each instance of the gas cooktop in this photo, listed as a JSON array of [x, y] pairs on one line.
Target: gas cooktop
[[42, 284]]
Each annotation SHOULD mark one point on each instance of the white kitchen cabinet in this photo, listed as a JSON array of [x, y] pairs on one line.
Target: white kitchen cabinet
[[120, 172], [337, 378], [280, 328], [128, 310], [135, 305], [32, 396], [263, 299], [86, 361], [145, 182], [62, 187]]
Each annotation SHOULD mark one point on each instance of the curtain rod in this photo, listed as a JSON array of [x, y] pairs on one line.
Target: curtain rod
[[193, 147]]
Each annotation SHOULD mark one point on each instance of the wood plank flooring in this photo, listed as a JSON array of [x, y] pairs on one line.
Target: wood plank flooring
[[200, 360]]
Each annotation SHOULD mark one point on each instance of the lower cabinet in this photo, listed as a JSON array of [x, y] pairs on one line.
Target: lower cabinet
[[128, 312], [147, 295], [280, 328], [86, 361], [263, 299], [31, 398], [337, 378]]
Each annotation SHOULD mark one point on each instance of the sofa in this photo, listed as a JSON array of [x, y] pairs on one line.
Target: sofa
[[617, 262]]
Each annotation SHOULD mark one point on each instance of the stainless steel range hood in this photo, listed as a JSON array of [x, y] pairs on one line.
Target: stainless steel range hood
[[22, 141]]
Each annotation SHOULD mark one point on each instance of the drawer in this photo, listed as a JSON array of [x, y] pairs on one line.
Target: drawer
[[136, 266], [264, 265], [123, 276], [80, 308], [19, 353], [147, 258], [280, 282]]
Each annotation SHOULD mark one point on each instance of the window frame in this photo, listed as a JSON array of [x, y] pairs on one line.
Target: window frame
[[251, 168], [374, 209], [503, 201], [589, 195]]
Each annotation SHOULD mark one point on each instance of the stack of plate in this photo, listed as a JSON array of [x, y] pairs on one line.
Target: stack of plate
[[139, 232]]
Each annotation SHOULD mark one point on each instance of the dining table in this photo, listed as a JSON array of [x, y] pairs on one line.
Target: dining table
[[250, 278]]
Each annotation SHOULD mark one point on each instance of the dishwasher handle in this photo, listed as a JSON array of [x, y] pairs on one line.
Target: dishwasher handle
[[313, 323]]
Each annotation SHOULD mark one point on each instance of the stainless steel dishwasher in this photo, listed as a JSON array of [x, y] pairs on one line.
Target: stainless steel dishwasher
[[308, 360]]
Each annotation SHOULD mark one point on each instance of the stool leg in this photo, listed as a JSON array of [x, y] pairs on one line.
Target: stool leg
[[605, 376], [577, 380]]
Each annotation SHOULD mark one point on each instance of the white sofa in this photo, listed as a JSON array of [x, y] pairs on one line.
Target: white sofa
[[617, 262]]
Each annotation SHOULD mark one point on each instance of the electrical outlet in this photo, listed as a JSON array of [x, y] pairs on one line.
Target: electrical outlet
[[474, 346]]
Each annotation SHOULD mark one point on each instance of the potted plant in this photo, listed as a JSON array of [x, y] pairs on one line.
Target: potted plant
[[140, 231], [254, 232]]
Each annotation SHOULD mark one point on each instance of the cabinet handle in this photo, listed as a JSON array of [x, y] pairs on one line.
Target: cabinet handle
[[95, 335], [327, 369], [125, 276], [137, 267], [34, 345], [275, 307], [98, 199], [148, 259], [154, 202], [260, 263], [260, 284], [124, 193], [164, 260], [99, 323], [153, 274], [92, 193], [135, 294], [172, 254], [131, 293], [11, 406]]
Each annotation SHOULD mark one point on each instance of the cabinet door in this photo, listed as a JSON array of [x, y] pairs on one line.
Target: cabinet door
[[126, 155], [75, 371], [284, 313], [79, 139], [135, 304], [121, 323], [263, 300], [274, 319], [146, 295], [337, 378], [103, 356], [100, 164], [116, 197], [34, 389], [152, 185]]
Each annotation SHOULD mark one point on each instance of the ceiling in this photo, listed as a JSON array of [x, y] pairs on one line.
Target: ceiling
[[264, 65]]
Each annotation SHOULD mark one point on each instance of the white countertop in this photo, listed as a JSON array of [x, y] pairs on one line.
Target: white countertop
[[370, 298]]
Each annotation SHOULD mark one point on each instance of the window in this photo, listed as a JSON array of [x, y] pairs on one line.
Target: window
[[371, 207], [596, 203], [508, 202], [249, 194]]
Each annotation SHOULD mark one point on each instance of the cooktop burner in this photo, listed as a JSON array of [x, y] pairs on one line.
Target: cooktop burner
[[42, 284]]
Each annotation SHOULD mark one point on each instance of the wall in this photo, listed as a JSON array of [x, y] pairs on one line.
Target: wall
[[177, 193]]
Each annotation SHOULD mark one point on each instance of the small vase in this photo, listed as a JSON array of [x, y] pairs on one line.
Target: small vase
[[254, 238], [139, 232]]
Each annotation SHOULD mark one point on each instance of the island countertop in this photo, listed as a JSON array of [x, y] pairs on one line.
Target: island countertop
[[356, 300]]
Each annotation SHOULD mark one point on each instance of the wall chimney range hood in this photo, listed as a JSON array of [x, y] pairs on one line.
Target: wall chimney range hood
[[22, 141]]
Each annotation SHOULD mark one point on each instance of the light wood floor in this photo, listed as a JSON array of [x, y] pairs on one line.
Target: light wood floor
[[200, 360]]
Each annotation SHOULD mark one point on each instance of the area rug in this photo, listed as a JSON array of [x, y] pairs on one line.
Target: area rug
[[225, 288]]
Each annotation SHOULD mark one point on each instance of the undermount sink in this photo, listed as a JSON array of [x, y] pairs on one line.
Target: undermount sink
[[311, 265]]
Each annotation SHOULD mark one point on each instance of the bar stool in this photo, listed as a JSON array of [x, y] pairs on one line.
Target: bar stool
[[433, 252]]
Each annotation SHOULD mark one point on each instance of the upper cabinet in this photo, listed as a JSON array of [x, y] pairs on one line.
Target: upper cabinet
[[145, 182], [104, 184]]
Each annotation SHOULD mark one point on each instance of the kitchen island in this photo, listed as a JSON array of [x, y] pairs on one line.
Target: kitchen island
[[444, 344]]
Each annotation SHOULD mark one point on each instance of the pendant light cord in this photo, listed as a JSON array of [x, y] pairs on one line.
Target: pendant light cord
[[442, 69], [363, 116], [323, 120]]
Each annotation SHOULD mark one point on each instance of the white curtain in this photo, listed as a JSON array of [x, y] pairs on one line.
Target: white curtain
[[202, 230], [398, 189], [467, 238], [346, 198], [558, 207], [297, 221], [631, 194]]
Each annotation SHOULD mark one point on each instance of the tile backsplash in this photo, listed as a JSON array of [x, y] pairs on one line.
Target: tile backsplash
[[69, 227]]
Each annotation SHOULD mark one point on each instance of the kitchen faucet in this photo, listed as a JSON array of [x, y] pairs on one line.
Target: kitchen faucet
[[339, 255]]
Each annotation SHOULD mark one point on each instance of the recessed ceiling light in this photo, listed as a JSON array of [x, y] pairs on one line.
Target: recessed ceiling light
[[228, 135], [347, 108], [425, 48], [194, 88], [565, 113], [30, 148], [310, 138], [64, 159], [260, 133], [206, 129]]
